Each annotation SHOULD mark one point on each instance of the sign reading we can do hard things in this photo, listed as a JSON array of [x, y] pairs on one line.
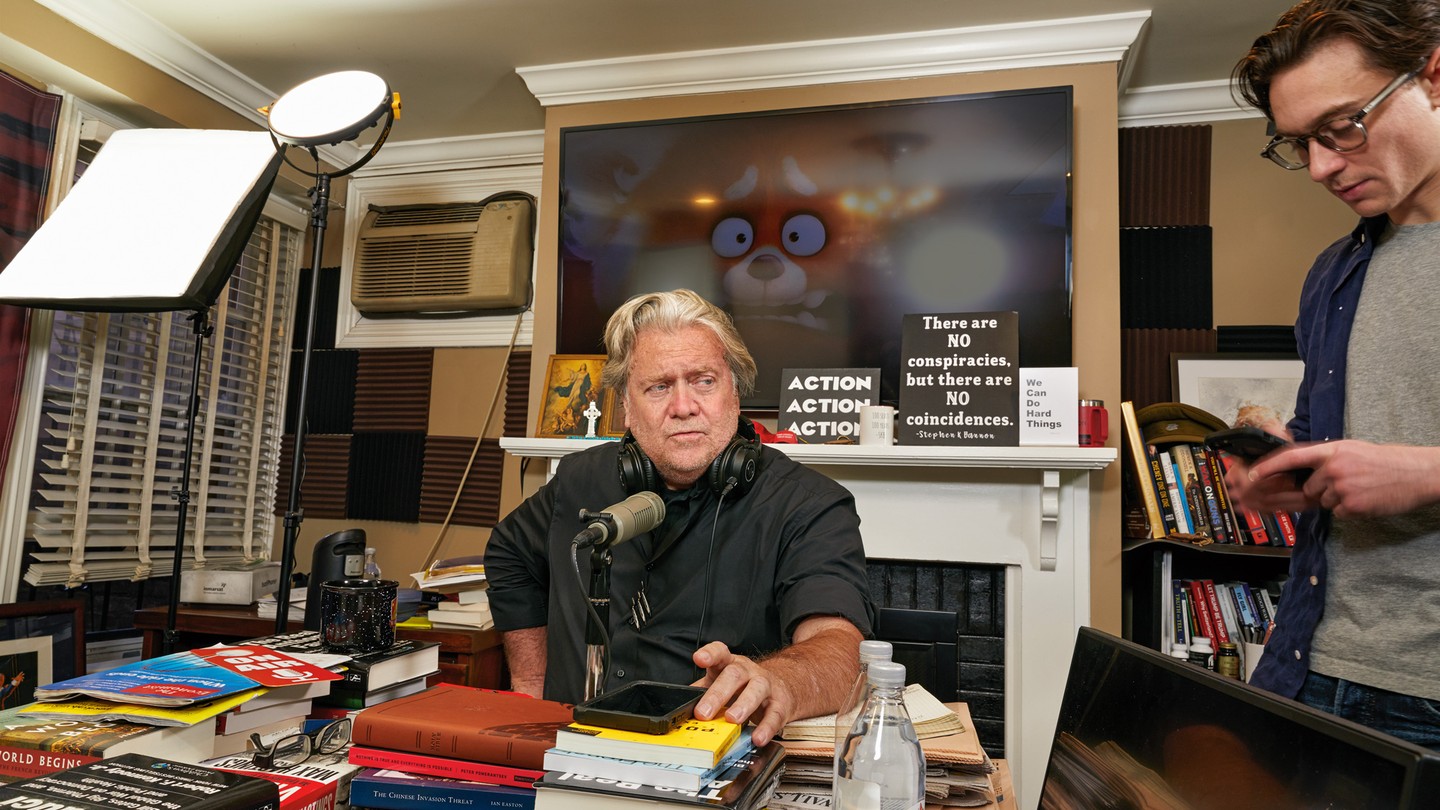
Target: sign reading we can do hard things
[[823, 404], [959, 377]]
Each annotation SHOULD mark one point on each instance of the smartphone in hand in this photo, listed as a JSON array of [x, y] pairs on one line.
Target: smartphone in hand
[[1251, 444]]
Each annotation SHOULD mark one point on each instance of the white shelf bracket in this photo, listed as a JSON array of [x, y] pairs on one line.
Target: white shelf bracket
[[1049, 519]]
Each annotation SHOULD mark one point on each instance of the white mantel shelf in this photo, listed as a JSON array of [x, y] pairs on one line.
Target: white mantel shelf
[[1024, 508], [1033, 458]]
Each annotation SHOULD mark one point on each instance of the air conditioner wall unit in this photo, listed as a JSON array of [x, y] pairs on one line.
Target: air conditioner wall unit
[[444, 257]]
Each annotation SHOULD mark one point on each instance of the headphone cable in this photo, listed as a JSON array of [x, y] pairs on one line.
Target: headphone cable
[[710, 560]]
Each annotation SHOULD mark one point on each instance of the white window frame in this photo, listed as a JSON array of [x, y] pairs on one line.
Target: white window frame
[[78, 118]]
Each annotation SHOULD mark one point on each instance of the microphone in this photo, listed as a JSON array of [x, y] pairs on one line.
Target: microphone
[[626, 520]]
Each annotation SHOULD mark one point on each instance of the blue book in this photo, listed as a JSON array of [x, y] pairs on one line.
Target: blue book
[[655, 774], [393, 790]]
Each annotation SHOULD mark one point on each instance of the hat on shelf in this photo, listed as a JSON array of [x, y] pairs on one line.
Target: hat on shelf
[[1171, 422]]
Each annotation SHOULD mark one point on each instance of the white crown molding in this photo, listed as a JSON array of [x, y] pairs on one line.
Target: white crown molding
[[1193, 103], [1078, 40], [446, 154]]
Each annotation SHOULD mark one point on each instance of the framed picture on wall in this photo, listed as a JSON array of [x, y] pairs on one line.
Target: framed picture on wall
[[40, 643], [573, 404], [614, 419], [1240, 388]]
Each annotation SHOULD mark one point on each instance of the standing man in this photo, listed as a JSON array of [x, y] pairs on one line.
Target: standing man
[[757, 555], [1353, 90]]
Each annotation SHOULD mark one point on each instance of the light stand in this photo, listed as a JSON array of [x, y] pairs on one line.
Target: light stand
[[326, 110], [136, 236]]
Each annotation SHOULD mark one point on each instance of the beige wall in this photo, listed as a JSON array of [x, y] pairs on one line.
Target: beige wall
[[1268, 225]]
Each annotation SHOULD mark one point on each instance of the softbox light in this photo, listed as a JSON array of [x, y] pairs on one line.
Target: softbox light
[[156, 224]]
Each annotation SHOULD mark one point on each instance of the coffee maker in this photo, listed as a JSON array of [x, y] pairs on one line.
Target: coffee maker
[[340, 555]]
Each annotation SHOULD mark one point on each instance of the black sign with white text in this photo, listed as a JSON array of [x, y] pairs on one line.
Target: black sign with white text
[[823, 404], [959, 379]]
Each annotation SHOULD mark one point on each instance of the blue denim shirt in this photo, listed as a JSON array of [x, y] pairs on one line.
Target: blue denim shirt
[[1327, 312]]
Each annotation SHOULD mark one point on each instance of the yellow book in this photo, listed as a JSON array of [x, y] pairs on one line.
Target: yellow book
[[135, 713], [1140, 464], [699, 743]]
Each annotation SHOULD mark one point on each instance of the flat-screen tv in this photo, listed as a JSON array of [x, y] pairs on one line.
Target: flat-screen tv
[[817, 229], [1138, 729]]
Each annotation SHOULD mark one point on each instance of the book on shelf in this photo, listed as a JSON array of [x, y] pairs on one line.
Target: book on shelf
[[1286, 522], [694, 742], [37, 747], [1222, 494], [1162, 492], [655, 774], [479, 595], [470, 619], [447, 767], [1209, 496], [747, 784], [501, 728], [397, 790], [1187, 478], [1178, 505], [1140, 469], [363, 700], [142, 782], [319, 783]]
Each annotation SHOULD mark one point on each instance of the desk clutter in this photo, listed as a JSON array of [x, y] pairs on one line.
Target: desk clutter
[[282, 725]]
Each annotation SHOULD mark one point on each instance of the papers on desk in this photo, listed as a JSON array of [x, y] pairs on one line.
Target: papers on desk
[[930, 717], [454, 574], [267, 606]]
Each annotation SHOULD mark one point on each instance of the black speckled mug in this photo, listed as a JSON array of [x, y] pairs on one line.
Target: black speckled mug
[[358, 615]]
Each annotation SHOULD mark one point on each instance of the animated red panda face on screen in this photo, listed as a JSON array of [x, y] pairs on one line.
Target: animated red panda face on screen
[[770, 246]]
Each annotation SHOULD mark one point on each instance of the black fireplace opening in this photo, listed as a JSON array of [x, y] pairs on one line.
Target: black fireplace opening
[[947, 624]]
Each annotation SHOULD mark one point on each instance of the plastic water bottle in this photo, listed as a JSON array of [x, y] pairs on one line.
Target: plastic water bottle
[[372, 568], [882, 766], [870, 652]]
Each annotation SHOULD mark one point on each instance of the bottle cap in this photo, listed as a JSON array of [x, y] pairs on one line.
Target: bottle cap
[[370, 550], [886, 673], [1201, 644], [1229, 645], [1178, 650], [872, 651]]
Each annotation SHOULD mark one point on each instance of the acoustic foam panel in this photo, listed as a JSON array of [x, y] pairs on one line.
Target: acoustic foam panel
[[324, 475], [331, 395], [1165, 278], [326, 311], [1164, 176], [445, 461], [392, 390], [385, 474], [517, 395], [1145, 360]]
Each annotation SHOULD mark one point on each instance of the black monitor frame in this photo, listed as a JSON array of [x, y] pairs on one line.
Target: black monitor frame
[[1123, 696]]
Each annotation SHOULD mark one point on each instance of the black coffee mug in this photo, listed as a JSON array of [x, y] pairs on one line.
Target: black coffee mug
[[358, 615]]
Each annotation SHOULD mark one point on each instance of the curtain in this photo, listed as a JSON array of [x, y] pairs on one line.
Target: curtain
[[28, 120]]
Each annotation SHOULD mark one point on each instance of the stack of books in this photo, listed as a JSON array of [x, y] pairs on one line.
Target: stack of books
[[468, 609], [462, 580], [702, 763], [183, 706], [321, 782], [453, 745], [405, 668], [958, 773]]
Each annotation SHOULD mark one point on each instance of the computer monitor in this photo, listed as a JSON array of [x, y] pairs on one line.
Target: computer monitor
[[1138, 729]]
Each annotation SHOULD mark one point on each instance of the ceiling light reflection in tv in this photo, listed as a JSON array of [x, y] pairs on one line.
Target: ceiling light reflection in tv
[[819, 229]]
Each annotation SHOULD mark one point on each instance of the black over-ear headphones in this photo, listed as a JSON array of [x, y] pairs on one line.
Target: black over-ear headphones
[[735, 467]]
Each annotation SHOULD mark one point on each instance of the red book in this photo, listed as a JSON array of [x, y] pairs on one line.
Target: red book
[[1201, 606], [424, 765], [500, 728], [1217, 618], [1287, 527]]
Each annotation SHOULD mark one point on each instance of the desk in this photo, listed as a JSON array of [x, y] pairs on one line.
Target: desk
[[467, 657]]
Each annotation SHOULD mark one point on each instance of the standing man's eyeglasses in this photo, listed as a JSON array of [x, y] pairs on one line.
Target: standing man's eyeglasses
[[294, 749], [1338, 134]]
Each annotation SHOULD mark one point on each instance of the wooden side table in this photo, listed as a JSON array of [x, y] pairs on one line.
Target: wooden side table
[[467, 657]]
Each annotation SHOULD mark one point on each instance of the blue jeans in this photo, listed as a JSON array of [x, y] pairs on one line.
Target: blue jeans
[[1413, 719]]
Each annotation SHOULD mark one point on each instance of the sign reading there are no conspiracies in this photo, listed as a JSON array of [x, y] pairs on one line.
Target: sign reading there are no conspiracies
[[959, 379]]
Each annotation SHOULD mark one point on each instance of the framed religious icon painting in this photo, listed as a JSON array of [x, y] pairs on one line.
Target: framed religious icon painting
[[573, 404], [40, 643]]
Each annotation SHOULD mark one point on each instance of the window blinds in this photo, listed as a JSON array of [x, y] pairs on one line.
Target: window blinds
[[112, 435]]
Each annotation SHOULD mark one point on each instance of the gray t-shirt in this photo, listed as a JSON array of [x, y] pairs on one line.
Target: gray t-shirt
[[1381, 625]]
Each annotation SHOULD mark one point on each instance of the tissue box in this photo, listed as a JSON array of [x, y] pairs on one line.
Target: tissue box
[[229, 586]]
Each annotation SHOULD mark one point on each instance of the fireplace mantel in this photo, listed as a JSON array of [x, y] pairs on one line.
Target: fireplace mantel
[[1026, 508]]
